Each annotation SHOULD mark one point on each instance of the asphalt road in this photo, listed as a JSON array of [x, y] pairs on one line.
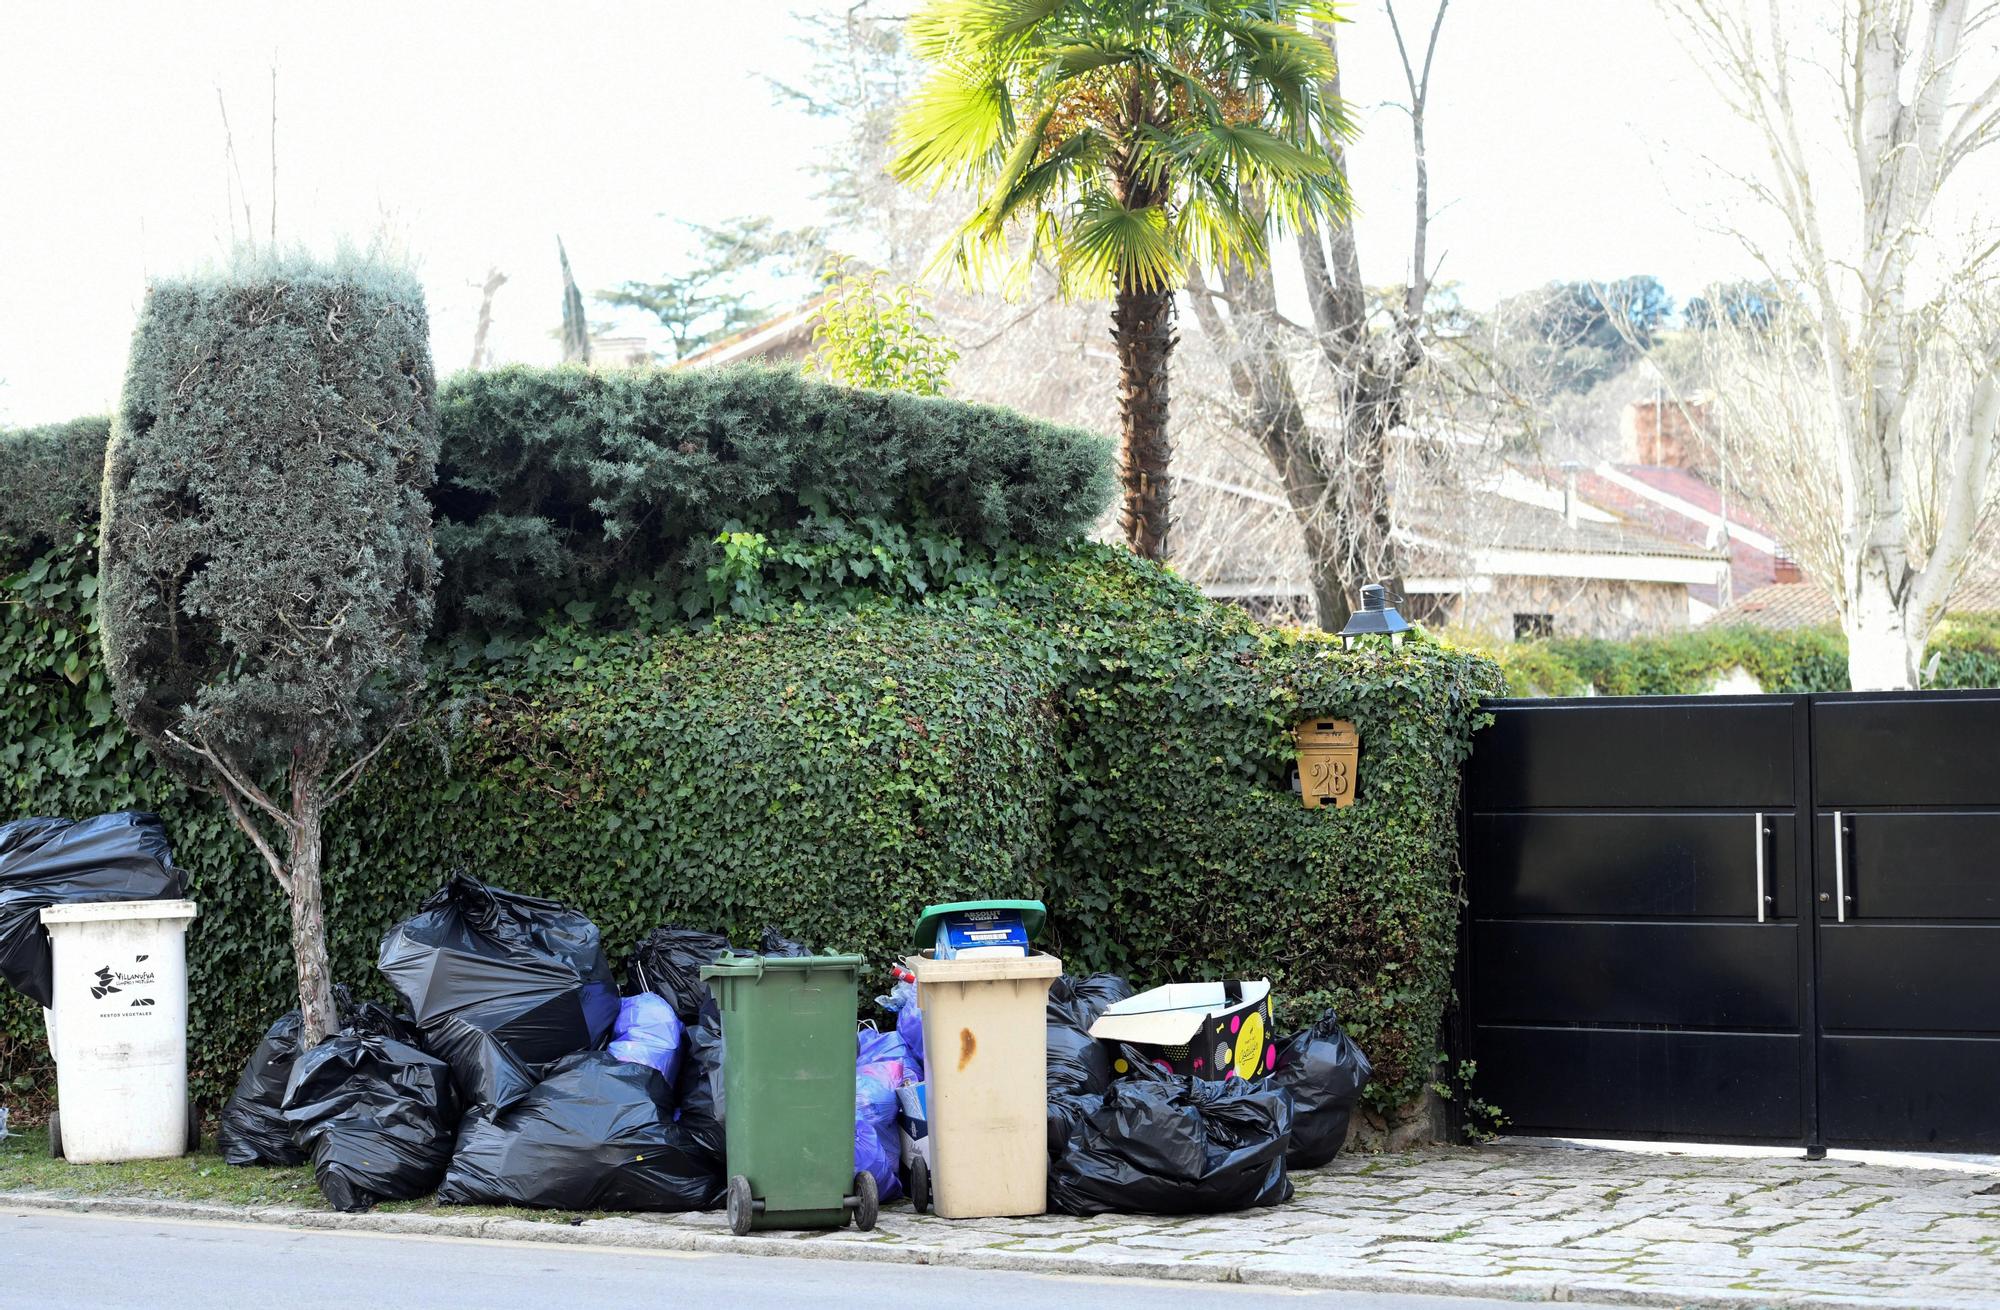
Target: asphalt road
[[87, 1262]]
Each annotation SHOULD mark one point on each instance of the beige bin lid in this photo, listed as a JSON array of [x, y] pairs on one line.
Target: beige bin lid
[[104, 911], [983, 968]]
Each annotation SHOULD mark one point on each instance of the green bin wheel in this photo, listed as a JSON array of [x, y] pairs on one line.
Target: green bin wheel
[[920, 1186], [55, 1135], [194, 1128], [740, 1204], [867, 1201]]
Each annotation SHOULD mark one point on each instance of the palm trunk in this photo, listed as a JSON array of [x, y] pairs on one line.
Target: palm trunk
[[315, 972], [1142, 327]]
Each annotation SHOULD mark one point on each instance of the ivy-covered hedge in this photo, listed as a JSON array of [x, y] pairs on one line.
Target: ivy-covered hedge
[[1078, 725], [1966, 651]]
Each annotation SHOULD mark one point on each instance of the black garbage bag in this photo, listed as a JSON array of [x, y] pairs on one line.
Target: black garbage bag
[[112, 857], [668, 963], [1080, 1002], [253, 1128], [698, 1092], [1079, 1064], [1323, 1072], [501, 986], [377, 1115], [596, 1134], [773, 942], [1163, 1145]]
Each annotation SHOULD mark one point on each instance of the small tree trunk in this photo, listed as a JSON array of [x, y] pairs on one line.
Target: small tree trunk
[[1330, 603], [315, 971], [1882, 652], [1142, 328]]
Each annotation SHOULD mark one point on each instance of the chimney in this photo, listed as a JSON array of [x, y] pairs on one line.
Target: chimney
[[1785, 569], [1569, 491]]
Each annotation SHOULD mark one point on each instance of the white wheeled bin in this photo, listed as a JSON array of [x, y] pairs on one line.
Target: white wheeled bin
[[118, 1031]]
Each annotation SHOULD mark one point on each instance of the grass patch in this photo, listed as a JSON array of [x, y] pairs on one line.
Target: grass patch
[[25, 1166]]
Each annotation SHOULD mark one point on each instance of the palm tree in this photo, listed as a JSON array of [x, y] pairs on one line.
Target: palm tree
[[1127, 140]]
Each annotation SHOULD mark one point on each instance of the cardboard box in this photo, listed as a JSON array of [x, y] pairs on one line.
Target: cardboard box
[[1203, 1030]]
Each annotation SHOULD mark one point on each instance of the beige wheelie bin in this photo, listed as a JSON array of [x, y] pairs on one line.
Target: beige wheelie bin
[[986, 1069]]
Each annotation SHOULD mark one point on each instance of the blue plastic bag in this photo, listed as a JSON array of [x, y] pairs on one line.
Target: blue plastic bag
[[648, 1032], [879, 1069], [902, 1000]]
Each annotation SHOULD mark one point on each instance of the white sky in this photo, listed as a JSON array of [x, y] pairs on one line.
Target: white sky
[[1564, 143]]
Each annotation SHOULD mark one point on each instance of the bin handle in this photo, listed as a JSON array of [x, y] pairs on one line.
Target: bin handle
[[1232, 991]]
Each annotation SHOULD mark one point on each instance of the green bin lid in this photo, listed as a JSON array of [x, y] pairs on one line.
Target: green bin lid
[[1032, 914], [756, 966]]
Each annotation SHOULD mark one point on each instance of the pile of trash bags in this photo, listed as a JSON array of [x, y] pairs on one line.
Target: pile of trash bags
[[43, 862], [516, 1074], [1126, 1137]]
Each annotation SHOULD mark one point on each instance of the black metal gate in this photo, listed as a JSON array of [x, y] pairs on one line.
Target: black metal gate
[[1665, 939]]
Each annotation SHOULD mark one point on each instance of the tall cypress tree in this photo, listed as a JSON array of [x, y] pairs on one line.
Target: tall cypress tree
[[576, 330], [266, 561]]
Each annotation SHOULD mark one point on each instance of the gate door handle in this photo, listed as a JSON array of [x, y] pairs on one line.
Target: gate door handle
[[1760, 866], [1839, 868]]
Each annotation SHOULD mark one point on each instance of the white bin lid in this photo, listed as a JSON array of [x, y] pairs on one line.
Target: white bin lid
[[103, 911]]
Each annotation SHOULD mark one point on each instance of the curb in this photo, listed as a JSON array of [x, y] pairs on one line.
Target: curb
[[643, 1236]]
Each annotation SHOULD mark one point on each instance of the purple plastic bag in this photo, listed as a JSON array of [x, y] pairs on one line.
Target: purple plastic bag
[[876, 1147], [902, 1000], [648, 1032]]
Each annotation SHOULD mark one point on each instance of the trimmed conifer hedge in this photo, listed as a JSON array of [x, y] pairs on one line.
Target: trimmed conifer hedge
[[561, 487]]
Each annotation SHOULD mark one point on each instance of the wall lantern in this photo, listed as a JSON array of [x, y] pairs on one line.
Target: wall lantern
[[1376, 618]]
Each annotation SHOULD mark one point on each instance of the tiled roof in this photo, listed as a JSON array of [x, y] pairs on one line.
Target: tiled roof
[[1749, 567], [1693, 488], [1784, 606], [1486, 521]]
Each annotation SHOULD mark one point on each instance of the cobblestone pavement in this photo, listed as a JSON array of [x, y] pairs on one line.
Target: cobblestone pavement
[[1511, 1220]]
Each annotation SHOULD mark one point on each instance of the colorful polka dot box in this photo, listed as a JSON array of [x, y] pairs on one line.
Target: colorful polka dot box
[[1203, 1030]]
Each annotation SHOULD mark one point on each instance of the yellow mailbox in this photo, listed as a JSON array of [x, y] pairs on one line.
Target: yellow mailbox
[[1329, 760]]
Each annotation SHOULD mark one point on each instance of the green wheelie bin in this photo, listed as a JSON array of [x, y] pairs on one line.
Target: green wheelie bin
[[788, 1036]]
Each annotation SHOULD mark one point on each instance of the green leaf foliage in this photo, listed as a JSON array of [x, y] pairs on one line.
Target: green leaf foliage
[[1074, 724], [1965, 651], [562, 486], [882, 336], [266, 556]]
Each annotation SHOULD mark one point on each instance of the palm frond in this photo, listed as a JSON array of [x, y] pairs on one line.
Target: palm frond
[[957, 124], [1116, 245]]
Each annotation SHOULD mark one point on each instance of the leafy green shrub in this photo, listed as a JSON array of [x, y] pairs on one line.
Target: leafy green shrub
[[825, 772], [1182, 852], [871, 335], [563, 487], [1964, 652], [1684, 663], [50, 476]]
